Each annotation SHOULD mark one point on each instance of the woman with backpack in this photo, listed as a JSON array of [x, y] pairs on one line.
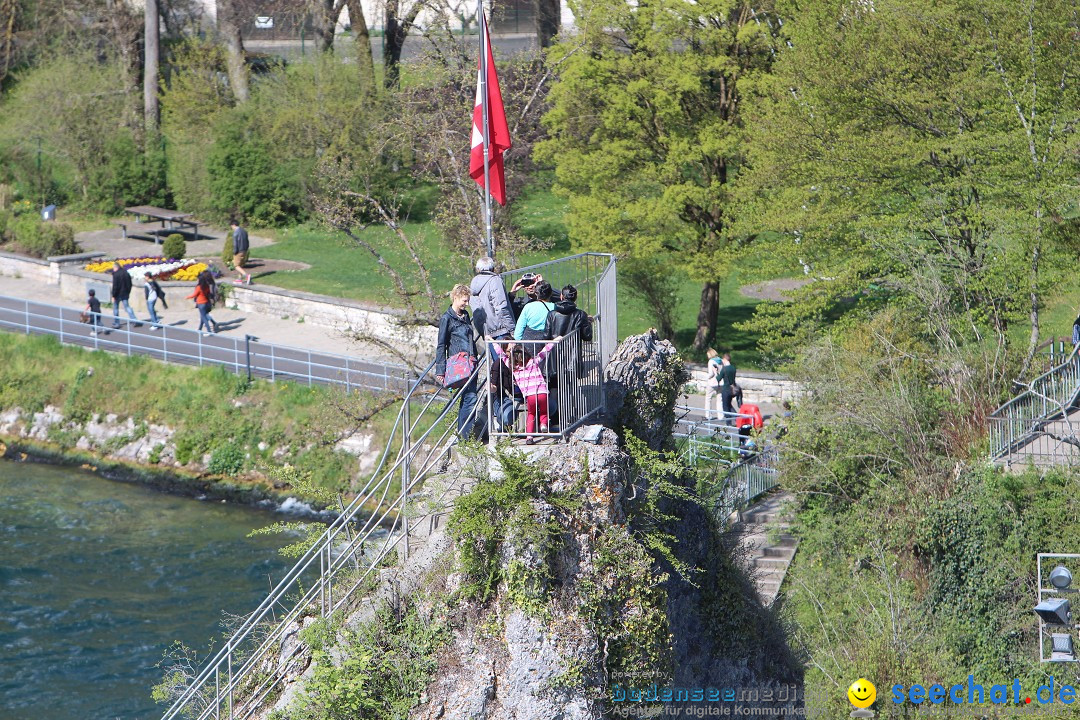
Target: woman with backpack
[[204, 297]]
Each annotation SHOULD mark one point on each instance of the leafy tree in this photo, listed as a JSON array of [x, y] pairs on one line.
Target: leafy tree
[[918, 150], [646, 131]]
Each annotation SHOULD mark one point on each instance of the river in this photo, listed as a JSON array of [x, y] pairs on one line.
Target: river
[[98, 578]]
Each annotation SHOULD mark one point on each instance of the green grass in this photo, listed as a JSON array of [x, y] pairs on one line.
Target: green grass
[[341, 268]]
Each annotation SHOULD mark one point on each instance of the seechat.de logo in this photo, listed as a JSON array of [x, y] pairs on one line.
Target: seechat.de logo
[[862, 694]]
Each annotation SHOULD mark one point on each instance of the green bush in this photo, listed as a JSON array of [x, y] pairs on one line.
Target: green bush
[[41, 239], [130, 176], [174, 247], [244, 178], [227, 460]]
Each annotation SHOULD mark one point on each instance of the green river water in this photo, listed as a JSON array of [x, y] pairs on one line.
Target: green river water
[[98, 578]]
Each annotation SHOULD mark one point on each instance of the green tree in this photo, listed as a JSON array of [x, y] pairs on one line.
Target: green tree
[[646, 130], [916, 149]]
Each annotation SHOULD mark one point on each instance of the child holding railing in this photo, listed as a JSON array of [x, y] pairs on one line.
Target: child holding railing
[[529, 377]]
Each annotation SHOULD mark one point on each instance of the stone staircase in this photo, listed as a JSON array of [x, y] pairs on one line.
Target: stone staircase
[[763, 545]]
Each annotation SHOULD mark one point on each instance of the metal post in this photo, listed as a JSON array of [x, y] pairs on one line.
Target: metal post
[[26, 316], [60, 317], [406, 447], [228, 647], [322, 585], [127, 335], [309, 368], [165, 342], [198, 338], [485, 129], [247, 349]]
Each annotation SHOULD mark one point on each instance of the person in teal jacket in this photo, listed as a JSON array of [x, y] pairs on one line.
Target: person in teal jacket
[[532, 323]]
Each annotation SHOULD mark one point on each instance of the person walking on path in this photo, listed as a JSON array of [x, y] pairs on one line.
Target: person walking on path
[[93, 306], [490, 303], [240, 246], [154, 293], [727, 385], [121, 293], [532, 323], [712, 385], [456, 336], [204, 298]]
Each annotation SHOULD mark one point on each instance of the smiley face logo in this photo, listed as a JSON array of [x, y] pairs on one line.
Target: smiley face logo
[[862, 693]]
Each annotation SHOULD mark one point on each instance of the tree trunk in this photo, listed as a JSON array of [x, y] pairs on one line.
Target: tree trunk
[[236, 65], [395, 40], [151, 60], [364, 63], [706, 319], [323, 21], [547, 21]]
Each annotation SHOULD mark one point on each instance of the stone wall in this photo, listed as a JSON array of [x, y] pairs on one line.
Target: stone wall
[[757, 387], [13, 265], [336, 313]]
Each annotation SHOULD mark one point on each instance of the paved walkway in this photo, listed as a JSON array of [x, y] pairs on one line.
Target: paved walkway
[[182, 313]]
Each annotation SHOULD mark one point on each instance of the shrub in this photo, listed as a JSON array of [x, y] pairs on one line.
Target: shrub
[[227, 460], [245, 179], [174, 247], [130, 176], [41, 239]]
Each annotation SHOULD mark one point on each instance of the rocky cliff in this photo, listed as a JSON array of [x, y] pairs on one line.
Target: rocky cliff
[[565, 577]]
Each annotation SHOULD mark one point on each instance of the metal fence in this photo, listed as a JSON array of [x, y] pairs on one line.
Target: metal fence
[[744, 482], [241, 355], [568, 371], [1036, 425], [594, 276]]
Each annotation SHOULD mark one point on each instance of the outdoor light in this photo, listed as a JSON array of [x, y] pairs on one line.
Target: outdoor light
[[1063, 648], [1060, 577], [1054, 611]]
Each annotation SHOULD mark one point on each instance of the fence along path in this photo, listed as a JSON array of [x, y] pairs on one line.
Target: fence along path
[[241, 355], [244, 677]]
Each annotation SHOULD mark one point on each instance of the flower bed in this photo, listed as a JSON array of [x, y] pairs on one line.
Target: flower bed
[[141, 268]]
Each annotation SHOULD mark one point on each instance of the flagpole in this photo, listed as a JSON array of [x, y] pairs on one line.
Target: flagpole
[[487, 134]]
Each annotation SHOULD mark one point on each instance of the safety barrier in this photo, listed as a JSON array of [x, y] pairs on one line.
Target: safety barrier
[[241, 355]]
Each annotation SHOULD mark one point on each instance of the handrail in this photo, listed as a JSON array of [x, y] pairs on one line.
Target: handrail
[[332, 554], [1021, 418]]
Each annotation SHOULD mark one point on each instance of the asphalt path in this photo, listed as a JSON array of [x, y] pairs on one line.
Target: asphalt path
[[189, 347]]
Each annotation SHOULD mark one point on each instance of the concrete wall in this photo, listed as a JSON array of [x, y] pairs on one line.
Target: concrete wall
[[757, 387], [336, 313]]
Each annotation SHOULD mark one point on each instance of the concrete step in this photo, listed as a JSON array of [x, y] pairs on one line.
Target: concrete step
[[771, 562], [785, 552]]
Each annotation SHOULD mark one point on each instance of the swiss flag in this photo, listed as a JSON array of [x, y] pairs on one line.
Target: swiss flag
[[498, 132]]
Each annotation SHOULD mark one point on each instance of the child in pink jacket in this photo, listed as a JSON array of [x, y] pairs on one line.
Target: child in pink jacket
[[530, 380]]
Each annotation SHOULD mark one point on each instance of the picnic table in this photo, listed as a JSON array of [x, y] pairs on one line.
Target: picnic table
[[172, 221]]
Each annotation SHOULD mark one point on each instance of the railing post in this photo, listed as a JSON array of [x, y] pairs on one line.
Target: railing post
[[406, 448], [273, 365], [309, 368], [228, 655], [127, 335], [26, 316], [198, 338], [247, 350], [60, 317], [165, 342]]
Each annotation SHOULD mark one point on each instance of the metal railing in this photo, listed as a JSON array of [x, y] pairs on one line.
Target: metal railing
[[1035, 424], [241, 355], [744, 482], [244, 676], [570, 377], [594, 275]]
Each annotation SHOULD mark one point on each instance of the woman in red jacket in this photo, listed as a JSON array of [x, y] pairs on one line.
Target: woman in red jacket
[[204, 298]]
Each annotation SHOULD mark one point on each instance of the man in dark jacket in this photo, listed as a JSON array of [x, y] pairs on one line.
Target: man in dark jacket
[[121, 293], [727, 387], [240, 246], [568, 317], [456, 336]]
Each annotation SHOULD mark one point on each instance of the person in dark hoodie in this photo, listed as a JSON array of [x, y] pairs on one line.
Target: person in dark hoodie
[[456, 335], [121, 293], [567, 317]]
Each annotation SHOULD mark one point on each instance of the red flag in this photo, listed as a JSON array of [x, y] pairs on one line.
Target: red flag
[[498, 132]]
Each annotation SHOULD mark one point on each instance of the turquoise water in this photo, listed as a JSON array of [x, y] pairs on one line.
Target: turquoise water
[[98, 578]]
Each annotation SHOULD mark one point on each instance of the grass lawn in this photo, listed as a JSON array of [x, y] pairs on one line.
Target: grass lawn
[[341, 268]]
